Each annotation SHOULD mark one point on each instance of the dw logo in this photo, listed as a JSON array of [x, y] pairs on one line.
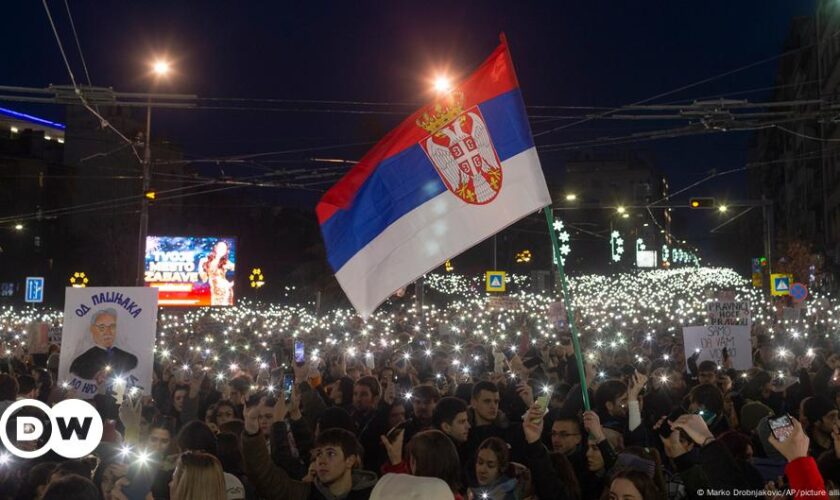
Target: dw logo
[[75, 429]]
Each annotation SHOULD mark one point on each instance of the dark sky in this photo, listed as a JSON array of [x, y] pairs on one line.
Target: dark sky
[[582, 53]]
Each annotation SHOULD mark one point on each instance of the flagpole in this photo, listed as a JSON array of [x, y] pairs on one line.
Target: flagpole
[[567, 301]]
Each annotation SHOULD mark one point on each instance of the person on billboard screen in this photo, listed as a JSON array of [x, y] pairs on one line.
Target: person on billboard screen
[[103, 356], [213, 269]]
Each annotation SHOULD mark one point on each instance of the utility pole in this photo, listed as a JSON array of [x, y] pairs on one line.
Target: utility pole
[[144, 201]]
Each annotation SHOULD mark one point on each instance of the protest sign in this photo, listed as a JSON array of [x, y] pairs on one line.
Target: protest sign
[[503, 302], [728, 312], [108, 337], [710, 340]]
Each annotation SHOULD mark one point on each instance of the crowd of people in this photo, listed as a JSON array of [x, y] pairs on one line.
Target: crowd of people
[[467, 400]]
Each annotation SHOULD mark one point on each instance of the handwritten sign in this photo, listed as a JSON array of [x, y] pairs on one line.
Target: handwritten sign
[[108, 339], [728, 312], [710, 340]]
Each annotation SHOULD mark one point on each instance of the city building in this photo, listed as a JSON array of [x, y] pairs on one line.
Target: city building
[[606, 192]]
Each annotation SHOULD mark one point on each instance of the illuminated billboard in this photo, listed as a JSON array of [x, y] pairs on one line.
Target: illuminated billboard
[[190, 270]]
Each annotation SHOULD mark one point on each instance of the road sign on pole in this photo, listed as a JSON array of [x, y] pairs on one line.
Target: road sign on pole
[[798, 291], [495, 281], [780, 284], [34, 289]]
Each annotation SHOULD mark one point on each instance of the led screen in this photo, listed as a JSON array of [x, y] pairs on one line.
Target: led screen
[[191, 270]]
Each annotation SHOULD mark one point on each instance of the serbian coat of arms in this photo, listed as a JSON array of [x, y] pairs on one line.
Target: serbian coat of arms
[[461, 150]]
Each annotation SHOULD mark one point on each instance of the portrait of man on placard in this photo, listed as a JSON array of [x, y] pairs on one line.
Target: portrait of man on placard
[[103, 356]]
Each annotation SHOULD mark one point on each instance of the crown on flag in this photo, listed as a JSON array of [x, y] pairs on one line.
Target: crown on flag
[[442, 113]]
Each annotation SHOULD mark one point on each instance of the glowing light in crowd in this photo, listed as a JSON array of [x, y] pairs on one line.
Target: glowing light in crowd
[[615, 313]]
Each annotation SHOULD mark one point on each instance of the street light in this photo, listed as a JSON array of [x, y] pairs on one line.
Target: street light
[[18, 227], [442, 84], [160, 69], [620, 209], [571, 197], [722, 208]]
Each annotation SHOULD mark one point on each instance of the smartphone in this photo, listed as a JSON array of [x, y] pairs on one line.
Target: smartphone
[[498, 362], [300, 354], [781, 427], [288, 384], [392, 434], [707, 415]]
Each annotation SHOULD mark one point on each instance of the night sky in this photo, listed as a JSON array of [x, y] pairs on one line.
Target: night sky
[[566, 53]]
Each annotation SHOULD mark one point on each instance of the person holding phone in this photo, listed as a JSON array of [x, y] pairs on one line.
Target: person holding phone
[[792, 442]]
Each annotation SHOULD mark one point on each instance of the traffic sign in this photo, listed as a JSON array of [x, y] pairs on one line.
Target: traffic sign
[[798, 291], [34, 289], [495, 281], [779, 284]]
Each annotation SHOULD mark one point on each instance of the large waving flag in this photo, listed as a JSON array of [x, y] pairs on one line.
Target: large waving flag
[[451, 175]]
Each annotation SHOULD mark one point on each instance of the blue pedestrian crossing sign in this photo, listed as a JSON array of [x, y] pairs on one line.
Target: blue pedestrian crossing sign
[[495, 281], [780, 284], [34, 289]]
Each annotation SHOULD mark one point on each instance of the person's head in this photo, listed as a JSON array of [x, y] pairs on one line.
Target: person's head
[[594, 457], [366, 392], [103, 327], [566, 434], [336, 453], [423, 401], [220, 249], [37, 480], [197, 476], [485, 402], [160, 437], [632, 485], [240, 386], [26, 387], [706, 397], [432, 454], [335, 417], [396, 414], [197, 436], [71, 486], [451, 417], [611, 399], [342, 392], [707, 372], [265, 417], [223, 411], [230, 453], [821, 414], [386, 375], [645, 460], [759, 385], [8, 387], [78, 467], [738, 444], [179, 395], [491, 460]]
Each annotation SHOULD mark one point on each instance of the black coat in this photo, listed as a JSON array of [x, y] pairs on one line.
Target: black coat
[[96, 359]]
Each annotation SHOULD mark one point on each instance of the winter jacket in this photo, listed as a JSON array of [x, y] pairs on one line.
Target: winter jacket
[[805, 479], [273, 483]]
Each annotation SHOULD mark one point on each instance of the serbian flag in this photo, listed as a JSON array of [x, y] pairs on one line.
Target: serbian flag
[[451, 175]]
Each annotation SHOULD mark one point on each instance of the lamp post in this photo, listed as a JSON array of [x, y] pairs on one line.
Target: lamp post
[[160, 68]]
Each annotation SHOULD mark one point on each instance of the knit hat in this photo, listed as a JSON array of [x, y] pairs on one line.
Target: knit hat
[[817, 407], [408, 487], [751, 414]]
